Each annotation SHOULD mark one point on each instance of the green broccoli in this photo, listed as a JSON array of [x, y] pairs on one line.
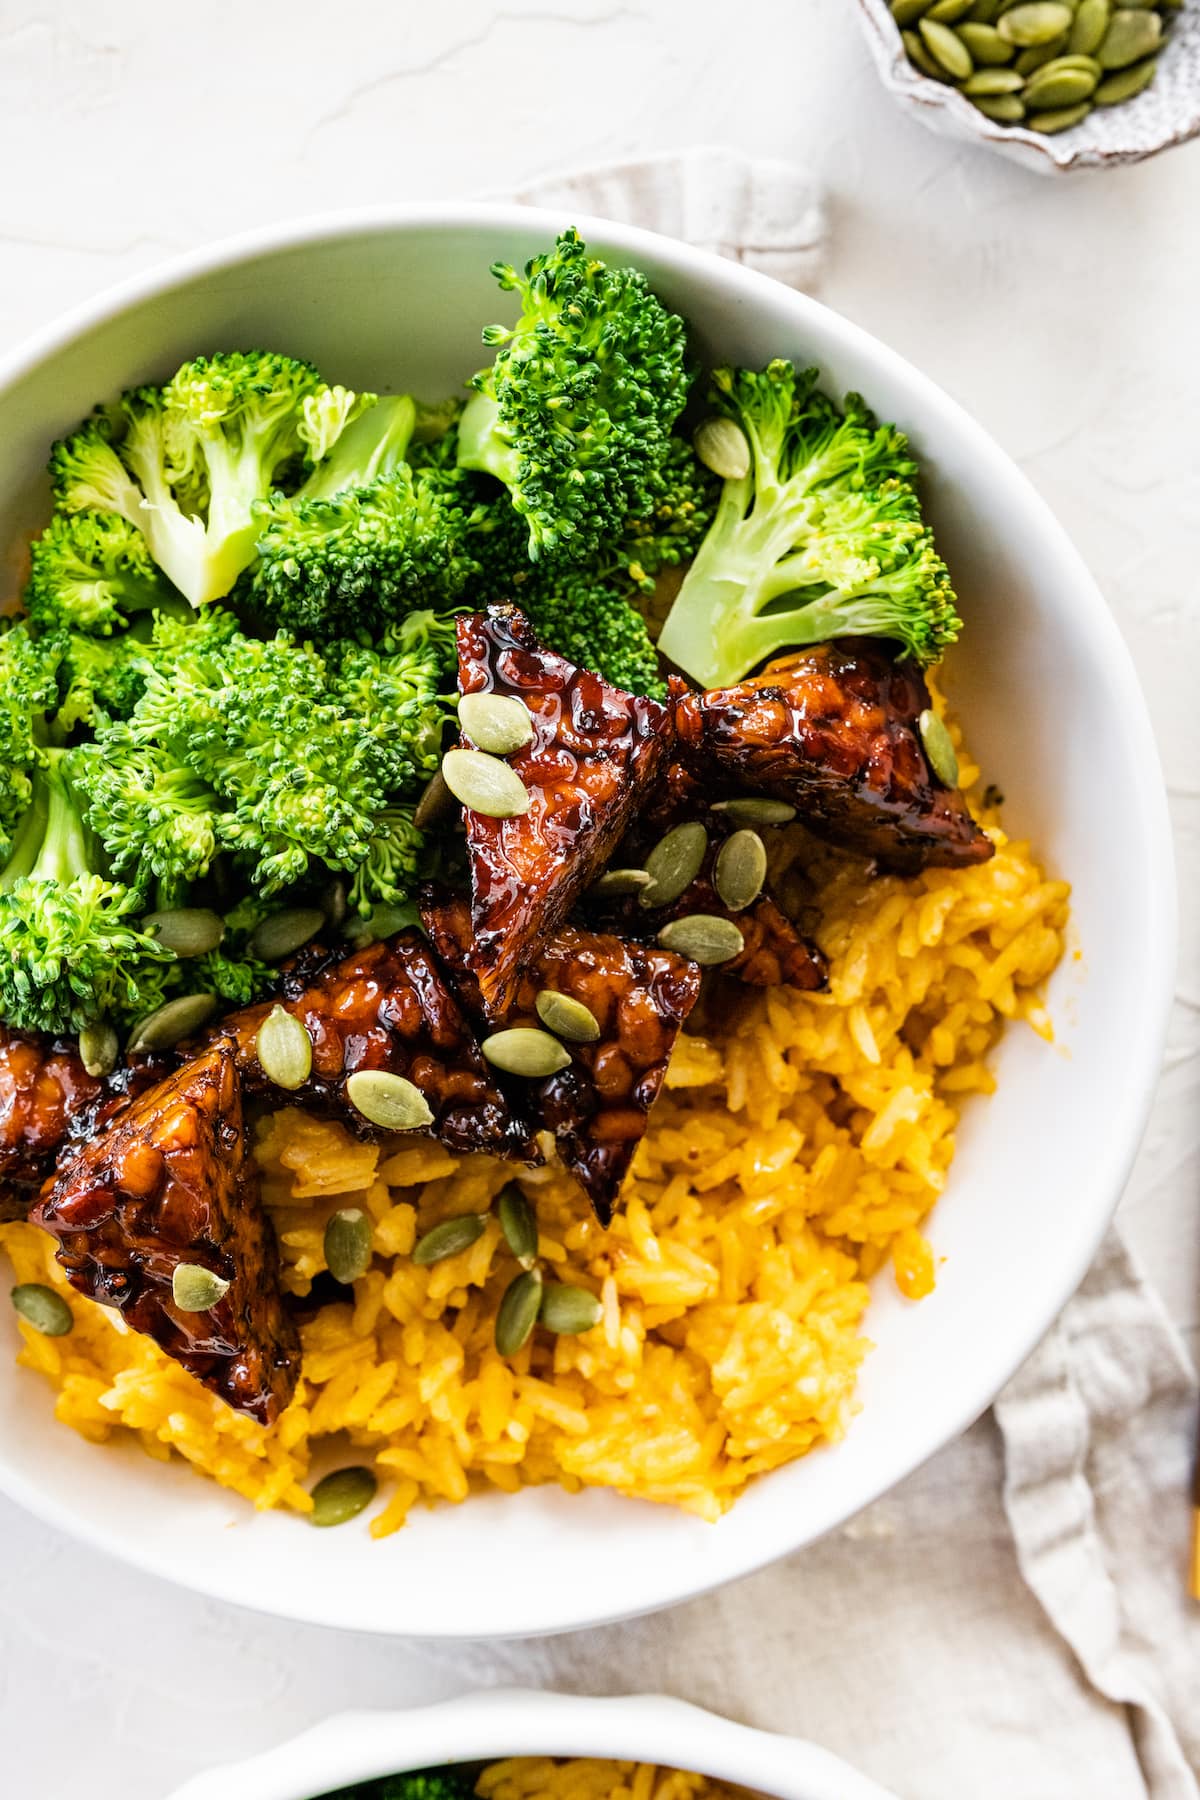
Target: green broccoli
[[89, 571], [272, 753], [575, 414], [822, 538], [365, 539], [184, 464], [595, 625], [429, 1784]]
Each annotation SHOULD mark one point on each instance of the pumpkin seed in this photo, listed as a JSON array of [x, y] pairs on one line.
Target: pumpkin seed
[[984, 12], [948, 12], [285, 932], [348, 1244], [342, 1496], [907, 12], [920, 57], [622, 881], [567, 1017], [1072, 60], [196, 1289], [169, 1024], [435, 802], [990, 82], [1061, 119], [450, 1238], [284, 1049], [756, 812], [99, 1048], [704, 938], [518, 1311], [187, 930], [484, 784], [1122, 85], [1131, 35], [568, 1311], [1091, 23], [740, 870], [674, 863], [939, 748], [390, 1101], [1055, 86], [518, 1222], [1006, 109], [946, 48], [1035, 22], [524, 1050], [42, 1308], [1031, 60], [985, 43], [723, 447], [498, 723]]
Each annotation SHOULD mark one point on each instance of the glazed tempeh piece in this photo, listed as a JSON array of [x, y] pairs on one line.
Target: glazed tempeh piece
[[168, 1183], [389, 1007], [834, 731], [775, 954], [43, 1087], [639, 996], [595, 756]]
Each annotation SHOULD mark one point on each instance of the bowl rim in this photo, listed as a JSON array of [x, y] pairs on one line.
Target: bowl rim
[[730, 1556], [501, 1722]]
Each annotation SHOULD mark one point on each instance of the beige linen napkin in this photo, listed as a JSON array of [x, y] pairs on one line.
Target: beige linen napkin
[[1011, 1621]]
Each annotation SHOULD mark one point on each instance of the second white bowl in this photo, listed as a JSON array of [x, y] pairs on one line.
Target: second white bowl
[[362, 1746]]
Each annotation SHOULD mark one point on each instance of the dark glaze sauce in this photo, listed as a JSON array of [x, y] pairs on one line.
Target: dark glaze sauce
[[44, 1091], [597, 1107], [595, 755], [834, 731], [390, 1007], [171, 1182]]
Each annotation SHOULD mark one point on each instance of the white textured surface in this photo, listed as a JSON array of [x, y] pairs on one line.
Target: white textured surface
[[1061, 313]]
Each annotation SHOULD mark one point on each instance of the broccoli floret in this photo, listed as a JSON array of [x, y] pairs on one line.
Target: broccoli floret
[[822, 538], [29, 693], [185, 464], [71, 951], [594, 624], [155, 817], [575, 414], [670, 533], [272, 752], [430, 1784], [365, 539], [89, 571]]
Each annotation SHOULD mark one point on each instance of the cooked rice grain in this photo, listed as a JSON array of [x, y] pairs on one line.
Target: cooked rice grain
[[584, 1778], [800, 1144]]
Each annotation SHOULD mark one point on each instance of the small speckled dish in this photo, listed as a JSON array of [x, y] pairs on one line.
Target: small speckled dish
[[1167, 113]]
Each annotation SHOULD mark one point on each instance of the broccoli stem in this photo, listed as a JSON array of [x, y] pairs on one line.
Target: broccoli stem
[[372, 445], [63, 854], [29, 837], [481, 444]]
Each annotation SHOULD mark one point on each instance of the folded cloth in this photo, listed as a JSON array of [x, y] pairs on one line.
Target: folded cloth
[[755, 210], [1011, 1621]]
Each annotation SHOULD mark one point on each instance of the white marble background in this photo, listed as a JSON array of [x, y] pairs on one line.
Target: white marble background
[[1063, 313]]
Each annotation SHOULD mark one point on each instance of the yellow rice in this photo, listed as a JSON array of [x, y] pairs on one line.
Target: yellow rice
[[793, 1155], [584, 1778]]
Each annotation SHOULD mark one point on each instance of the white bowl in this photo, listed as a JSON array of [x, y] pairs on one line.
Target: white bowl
[[1165, 114], [485, 1727], [395, 300]]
